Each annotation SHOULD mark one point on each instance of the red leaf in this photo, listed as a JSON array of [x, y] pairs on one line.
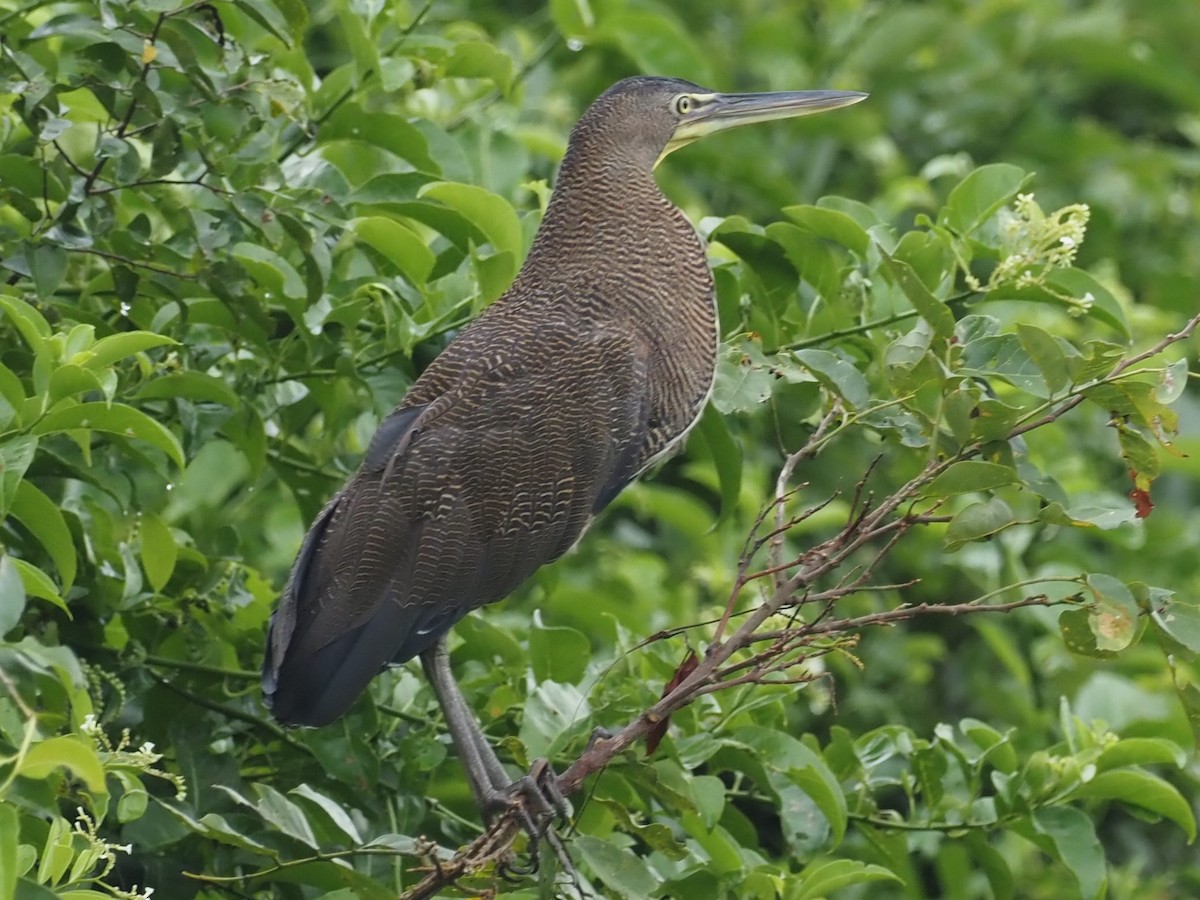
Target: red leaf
[[1140, 495], [659, 729]]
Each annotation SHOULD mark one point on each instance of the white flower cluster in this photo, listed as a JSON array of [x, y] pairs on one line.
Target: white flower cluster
[[1033, 243]]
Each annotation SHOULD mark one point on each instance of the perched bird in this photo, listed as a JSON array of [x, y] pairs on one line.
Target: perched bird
[[595, 363]]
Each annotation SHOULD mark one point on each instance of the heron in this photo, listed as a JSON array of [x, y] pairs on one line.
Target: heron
[[593, 365]]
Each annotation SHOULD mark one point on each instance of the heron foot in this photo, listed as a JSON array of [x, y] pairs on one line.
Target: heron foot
[[537, 804]]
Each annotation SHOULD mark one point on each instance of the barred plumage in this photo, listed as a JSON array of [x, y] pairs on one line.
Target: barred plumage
[[595, 363]]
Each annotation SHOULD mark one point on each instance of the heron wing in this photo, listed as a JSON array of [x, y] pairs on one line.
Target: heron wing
[[460, 498]]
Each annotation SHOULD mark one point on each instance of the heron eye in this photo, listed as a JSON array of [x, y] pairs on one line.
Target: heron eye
[[683, 104]]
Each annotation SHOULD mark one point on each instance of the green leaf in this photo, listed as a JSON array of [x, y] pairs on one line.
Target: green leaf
[[993, 864], [1177, 618], [189, 385], [550, 712], [108, 350], [491, 213], [708, 791], [12, 594], [10, 831], [726, 456], [928, 307], [1140, 455], [166, 149], [269, 17], [335, 811], [400, 245], [57, 852], [12, 393], [804, 254], [1113, 615], [978, 521], [743, 383], [1075, 627], [1139, 788], [831, 224], [277, 810], [44, 520], [28, 321], [16, 454], [48, 266], [72, 380], [158, 550], [1072, 840], [783, 753], [1142, 751], [821, 878], [978, 196], [654, 834], [620, 869], [1172, 381], [271, 270], [657, 42], [68, 751], [38, 584], [354, 31], [215, 827], [476, 59], [1046, 353], [557, 653], [115, 419], [969, 476], [573, 18], [389, 132], [836, 374], [1002, 356]]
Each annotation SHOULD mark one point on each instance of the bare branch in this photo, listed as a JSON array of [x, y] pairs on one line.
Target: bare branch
[[781, 651]]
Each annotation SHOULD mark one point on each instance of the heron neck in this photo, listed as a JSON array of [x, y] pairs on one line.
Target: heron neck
[[603, 210]]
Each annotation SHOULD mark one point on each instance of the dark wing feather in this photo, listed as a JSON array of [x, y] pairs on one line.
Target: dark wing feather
[[492, 468]]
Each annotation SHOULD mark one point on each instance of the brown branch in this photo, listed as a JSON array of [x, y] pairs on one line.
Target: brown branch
[[868, 521], [134, 263], [147, 182]]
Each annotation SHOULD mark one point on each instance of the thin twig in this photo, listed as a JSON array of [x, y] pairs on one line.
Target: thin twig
[[869, 520]]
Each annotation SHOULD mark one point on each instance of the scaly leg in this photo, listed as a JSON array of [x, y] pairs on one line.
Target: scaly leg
[[491, 785]]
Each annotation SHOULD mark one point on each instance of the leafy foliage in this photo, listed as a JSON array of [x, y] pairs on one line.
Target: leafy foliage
[[233, 233]]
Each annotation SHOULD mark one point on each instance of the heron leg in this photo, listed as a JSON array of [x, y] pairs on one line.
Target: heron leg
[[487, 777], [492, 786]]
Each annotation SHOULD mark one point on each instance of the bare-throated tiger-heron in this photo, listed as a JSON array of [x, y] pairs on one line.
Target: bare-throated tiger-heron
[[594, 364]]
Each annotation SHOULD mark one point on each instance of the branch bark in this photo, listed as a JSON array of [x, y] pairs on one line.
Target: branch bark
[[793, 581]]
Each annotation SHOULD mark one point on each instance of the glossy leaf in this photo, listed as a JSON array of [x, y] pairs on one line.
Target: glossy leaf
[[399, 244], [970, 476], [726, 456], [115, 419], [493, 215], [109, 350], [65, 752], [1072, 839], [624, 873], [44, 520], [978, 196], [819, 879], [978, 521], [12, 594], [159, 550], [1138, 788]]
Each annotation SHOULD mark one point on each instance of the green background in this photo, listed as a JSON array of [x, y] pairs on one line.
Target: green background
[[231, 234]]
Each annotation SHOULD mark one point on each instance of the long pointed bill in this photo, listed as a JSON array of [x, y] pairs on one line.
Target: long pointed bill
[[717, 112]]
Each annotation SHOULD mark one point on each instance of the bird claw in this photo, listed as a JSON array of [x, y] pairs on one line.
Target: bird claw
[[537, 803]]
